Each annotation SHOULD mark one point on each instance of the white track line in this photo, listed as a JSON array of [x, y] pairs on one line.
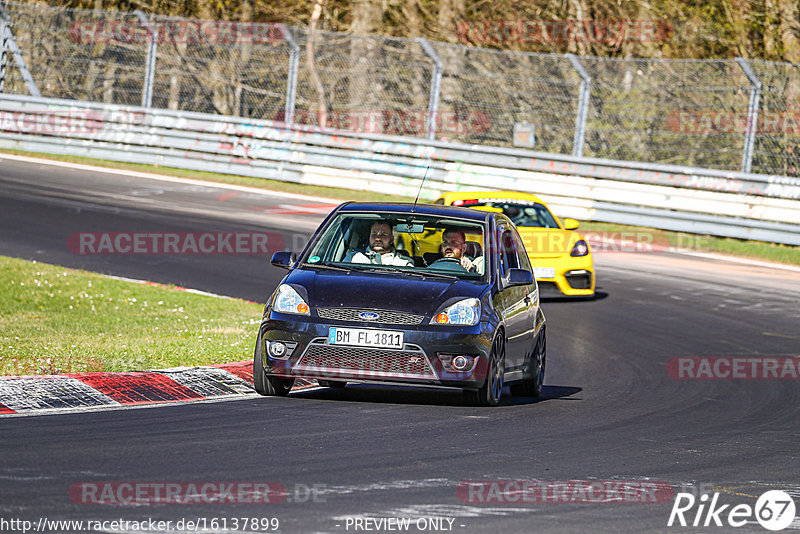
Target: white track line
[[177, 288], [164, 178]]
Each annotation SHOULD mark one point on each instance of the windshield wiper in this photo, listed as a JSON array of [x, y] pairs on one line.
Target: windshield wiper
[[438, 275], [326, 266], [422, 274]]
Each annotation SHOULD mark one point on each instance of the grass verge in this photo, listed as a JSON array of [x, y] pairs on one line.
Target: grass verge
[[58, 320], [700, 243]]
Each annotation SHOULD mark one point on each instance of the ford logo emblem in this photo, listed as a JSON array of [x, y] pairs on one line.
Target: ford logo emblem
[[368, 316]]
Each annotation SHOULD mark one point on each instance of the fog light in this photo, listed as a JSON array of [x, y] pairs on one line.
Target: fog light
[[457, 364], [460, 363], [277, 349]]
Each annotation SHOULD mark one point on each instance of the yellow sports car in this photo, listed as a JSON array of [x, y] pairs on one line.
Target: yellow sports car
[[561, 256]]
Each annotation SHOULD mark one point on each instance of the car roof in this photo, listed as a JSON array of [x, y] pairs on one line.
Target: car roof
[[463, 195], [436, 210]]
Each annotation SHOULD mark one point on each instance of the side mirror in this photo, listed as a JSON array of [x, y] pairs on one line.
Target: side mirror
[[284, 259], [570, 224], [519, 277]]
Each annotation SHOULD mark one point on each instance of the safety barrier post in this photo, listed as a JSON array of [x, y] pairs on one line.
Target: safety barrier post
[[752, 114], [436, 84], [291, 81], [3, 45], [583, 106], [150, 63]]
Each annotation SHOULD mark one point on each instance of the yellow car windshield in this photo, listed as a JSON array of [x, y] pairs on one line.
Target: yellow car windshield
[[521, 212]]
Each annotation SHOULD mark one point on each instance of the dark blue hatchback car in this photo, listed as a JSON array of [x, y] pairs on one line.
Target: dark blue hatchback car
[[406, 294]]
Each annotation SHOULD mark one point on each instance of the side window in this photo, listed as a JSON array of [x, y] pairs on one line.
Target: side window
[[522, 255], [508, 254]]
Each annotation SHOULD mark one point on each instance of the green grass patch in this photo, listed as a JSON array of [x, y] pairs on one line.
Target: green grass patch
[[58, 320], [701, 243]]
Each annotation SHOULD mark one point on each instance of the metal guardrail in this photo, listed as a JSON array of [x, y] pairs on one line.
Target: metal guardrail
[[733, 204], [729, 114]]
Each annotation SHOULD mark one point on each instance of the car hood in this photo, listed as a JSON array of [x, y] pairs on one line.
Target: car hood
[[548, 242], [375, 290]]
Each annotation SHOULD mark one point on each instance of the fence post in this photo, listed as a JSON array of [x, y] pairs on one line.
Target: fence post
[[150, 64], [8, 40], [583, 105], [752, 114], [3, 45], [291, 81], [436, 85]]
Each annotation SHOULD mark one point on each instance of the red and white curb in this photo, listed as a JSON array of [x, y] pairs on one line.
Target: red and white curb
[[29, 395]]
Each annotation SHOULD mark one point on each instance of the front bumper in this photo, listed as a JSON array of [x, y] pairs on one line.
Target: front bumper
[[574, 277], [422, 360]]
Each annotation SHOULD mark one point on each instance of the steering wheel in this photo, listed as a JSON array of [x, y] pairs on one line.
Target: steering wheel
[[450, 264]]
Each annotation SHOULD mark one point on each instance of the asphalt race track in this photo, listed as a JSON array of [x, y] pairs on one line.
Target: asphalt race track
[[610, 412]]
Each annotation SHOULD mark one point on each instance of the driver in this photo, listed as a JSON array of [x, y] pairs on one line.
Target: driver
[[381, 249], [514, 213], [453, 244]]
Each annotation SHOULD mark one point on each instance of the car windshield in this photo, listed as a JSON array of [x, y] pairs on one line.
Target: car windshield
[[521, 212], [420, 244]]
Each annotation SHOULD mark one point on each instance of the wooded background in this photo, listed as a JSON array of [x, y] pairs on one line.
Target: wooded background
[[681, 98], [763, 29]]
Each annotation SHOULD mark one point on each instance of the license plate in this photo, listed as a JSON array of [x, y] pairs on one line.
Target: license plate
[[544, 272], [361, 337]]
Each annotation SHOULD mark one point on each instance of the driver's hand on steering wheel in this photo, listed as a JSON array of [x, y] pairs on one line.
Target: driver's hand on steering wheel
[[467, 263]]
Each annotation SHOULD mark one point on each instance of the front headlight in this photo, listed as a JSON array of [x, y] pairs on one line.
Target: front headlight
[[579, 249], [289, 301], [465, 312]]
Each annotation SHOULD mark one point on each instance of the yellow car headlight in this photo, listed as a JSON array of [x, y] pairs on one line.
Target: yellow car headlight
[[579, 249]]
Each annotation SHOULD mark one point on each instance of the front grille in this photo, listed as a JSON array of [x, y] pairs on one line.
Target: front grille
[[385, 316], [328, 360]]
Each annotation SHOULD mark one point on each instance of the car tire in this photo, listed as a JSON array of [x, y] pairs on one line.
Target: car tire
[[532, 386], [492, 390], [336, 384], [265, 384]]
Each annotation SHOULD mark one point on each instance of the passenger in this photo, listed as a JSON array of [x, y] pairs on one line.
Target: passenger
[[453, 245], [381, 250]]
